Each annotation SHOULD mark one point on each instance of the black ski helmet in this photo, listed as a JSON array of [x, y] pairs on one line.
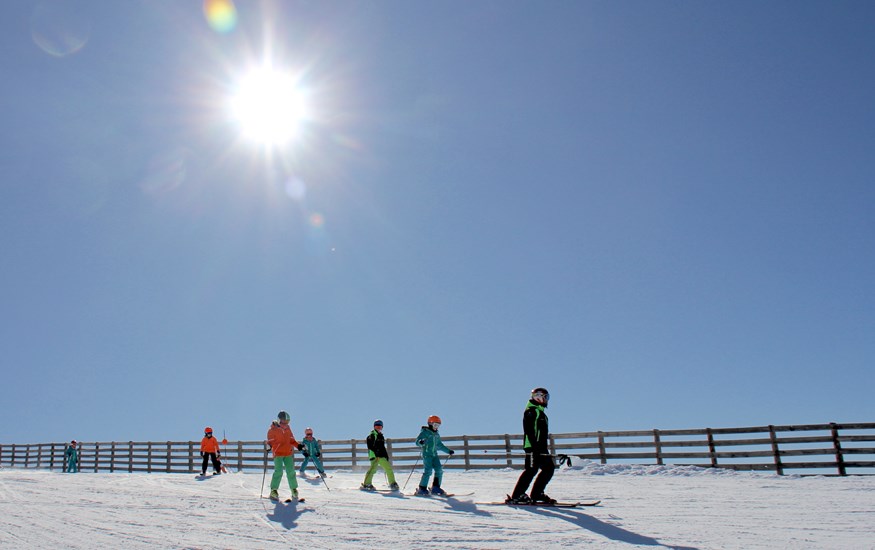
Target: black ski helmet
[[283, 415], [541, 396], [378, 422]]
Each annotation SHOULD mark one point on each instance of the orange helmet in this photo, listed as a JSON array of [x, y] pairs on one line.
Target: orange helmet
[[208, 430], [434, 419]]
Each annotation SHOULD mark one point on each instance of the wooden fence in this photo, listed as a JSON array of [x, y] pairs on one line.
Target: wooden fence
[[831, 449]]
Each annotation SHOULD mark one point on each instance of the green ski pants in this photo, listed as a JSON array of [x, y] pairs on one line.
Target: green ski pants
[[281, 463], [380, 463]]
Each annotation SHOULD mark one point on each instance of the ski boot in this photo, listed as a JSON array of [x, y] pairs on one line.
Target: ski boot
[[294, 494], [543, 499], [394, 487], [435, 490], [367, 487], [522, 499], [274, 494], [422, 491]]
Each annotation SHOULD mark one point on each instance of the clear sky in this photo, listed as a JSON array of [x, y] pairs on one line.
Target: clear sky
[[663, 212]]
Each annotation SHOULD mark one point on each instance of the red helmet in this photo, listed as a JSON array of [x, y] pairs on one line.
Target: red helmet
[[208, 430], [434, 419]]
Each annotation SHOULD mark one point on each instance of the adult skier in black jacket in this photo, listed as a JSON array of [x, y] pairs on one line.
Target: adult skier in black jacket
[[538, 457]]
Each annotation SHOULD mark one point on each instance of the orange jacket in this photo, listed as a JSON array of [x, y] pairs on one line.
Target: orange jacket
[[209, 445], [281, 439]]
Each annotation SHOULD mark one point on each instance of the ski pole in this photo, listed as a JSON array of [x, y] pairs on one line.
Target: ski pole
[[265, 470], [411, 474], [323, 481]]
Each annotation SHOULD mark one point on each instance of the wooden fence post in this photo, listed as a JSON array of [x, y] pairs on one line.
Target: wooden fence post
[[112, 458], [602, 454], [168, 457], [239, 456], [149, 457], [96, 456], [467, 452], [657, 444], [191, 466], [840, 459], [130, 456], [352, 452], [712, 451], [779, 468], [52, 458], [507, 450]]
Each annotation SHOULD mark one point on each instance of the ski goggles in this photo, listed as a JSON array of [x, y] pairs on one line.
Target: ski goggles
[[543, 396]]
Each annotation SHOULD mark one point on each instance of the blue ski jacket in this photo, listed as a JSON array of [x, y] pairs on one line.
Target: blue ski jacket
[[430, 442]]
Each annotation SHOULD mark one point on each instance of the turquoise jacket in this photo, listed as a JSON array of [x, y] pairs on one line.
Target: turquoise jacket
[[311, 445], [431, 443]]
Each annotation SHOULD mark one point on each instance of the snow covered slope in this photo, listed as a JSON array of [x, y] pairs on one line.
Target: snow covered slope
[[642, 506]]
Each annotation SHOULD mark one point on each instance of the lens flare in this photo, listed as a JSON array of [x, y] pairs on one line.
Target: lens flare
[[221, 15], [58, 29], [317, 220]]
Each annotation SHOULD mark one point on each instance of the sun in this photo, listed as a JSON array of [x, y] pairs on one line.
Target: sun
[[269, 106]]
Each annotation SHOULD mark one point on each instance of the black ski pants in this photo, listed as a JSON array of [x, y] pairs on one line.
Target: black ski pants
[[217, 466], [535, 463]]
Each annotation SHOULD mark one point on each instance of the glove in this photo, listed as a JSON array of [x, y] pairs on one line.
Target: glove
[[420, 442], [373, 458], [304, 452], [300, 446], [202, 454], [318, 455], [452, 452]]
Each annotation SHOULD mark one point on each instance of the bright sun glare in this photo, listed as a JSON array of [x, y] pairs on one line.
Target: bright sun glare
[[269, 106]]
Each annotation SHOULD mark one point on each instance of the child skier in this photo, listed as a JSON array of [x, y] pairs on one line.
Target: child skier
[[538, 457], [283, 444], [210, 451], [311, 450], [379, 457], [71, 458], [430, 441]]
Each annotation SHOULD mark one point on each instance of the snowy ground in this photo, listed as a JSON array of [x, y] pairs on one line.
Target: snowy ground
[[642, 506]]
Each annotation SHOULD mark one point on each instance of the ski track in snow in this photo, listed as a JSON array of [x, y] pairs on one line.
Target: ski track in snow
[[642, 506]]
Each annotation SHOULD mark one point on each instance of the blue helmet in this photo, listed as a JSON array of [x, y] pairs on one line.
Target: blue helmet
[[378, 422]]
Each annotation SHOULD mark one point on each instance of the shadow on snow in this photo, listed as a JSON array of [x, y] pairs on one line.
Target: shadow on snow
[[599, 527], [286, 514]]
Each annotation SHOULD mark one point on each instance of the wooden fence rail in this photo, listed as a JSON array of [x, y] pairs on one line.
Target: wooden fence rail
[[832, 448]]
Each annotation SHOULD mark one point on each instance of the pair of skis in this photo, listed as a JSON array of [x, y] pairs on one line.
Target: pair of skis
[[286, 501], [543, 504]]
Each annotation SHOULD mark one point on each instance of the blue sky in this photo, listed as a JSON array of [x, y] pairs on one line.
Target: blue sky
[[663, 212]]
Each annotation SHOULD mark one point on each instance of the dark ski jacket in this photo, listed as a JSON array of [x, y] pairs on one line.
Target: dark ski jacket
[[535, 430], [377, 445]]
